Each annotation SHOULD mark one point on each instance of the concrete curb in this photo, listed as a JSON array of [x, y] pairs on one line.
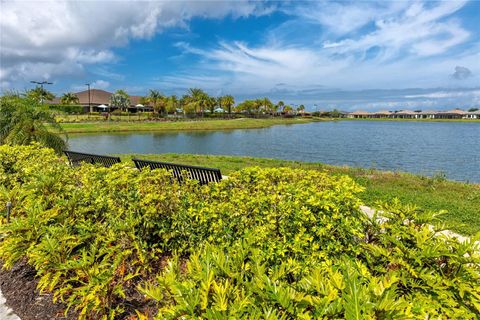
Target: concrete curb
[[5, 312]]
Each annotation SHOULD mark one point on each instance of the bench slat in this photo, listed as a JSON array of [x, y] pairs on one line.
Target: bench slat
[[77, 158], [203, 175]]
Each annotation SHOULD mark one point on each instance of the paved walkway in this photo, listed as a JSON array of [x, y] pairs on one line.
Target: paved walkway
[[5, 312], [370, 212]]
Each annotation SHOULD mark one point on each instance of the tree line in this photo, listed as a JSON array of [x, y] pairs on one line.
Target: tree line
[[195, 100]]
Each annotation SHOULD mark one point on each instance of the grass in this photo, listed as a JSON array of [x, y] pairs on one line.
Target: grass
[[223, 124], [460, 200]]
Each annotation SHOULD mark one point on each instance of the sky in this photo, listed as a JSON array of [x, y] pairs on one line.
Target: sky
[[347, 55]]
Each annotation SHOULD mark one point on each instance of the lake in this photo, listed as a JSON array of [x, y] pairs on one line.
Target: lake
[[427, 148]]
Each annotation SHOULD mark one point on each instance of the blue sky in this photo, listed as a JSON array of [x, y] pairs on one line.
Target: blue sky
[[348, 55]]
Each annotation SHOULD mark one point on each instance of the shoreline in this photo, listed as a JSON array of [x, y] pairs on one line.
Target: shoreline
[[215, 124], [166, 126]]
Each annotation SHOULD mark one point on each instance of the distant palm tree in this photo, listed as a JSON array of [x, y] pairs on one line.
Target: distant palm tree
[[198, 99], [228, 101], [24, 120], [40, 94], [287, 109], [301, 108], [210, 103], [69, 98], [172, 104], [266, 105], [279, 106], [157, 100]]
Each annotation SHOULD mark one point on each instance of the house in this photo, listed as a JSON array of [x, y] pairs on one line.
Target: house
[[97, 99], [473, 115], [428, 114], [451, 114], [359, 115], [383, 114], [406, 114]]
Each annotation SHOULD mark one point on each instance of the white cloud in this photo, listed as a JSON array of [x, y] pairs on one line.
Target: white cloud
[[416, 30], [411, 38], [341, 18], [42, 39]]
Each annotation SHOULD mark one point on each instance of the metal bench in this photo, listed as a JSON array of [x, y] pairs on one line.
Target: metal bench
[[77, 158], [203, 175]]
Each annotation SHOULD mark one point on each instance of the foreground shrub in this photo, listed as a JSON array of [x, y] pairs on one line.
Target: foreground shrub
[[268, 243], [403, 272]]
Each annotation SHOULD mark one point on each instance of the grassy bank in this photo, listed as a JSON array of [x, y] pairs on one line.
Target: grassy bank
[[223, 124], [460, 200]]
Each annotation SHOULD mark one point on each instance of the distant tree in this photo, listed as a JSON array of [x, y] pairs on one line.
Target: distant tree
[[172, 104], [472, 109], [40, 94], [265, 105], [335, 113], [227, 102], [156, 98], [301, 108], [69, 98], [279, 106], [211, 103], [186, 104], [144, 101], [24, 120], [287, 109], [247, 106], [120, 99], [417, 111], [198, 99]]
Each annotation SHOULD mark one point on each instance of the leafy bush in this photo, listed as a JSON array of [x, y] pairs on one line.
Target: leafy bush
[[271, 243], [68, 108]]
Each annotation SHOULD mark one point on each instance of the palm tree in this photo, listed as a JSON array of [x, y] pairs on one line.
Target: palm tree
[[266, 104], [279, 105], [287, 109], [24, 120], [69, 98], [172, 104], [228, 101], [210, 103], [40, 94], [246, 106], [157, 100], [198, 99], [301, 108]]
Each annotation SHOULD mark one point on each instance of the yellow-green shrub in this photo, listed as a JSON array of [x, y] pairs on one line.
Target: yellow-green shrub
[[262, 244]]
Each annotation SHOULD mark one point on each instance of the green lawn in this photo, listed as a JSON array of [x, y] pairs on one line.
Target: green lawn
[[460, 200], [223, 124]]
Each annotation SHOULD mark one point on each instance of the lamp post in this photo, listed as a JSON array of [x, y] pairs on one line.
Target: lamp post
[[41, 83], [89, 103]]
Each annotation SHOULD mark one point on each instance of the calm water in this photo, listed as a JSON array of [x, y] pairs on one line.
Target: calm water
[[427, 148]]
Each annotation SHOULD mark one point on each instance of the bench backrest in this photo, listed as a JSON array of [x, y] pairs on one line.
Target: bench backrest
[[203, 175], [77, 158]]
